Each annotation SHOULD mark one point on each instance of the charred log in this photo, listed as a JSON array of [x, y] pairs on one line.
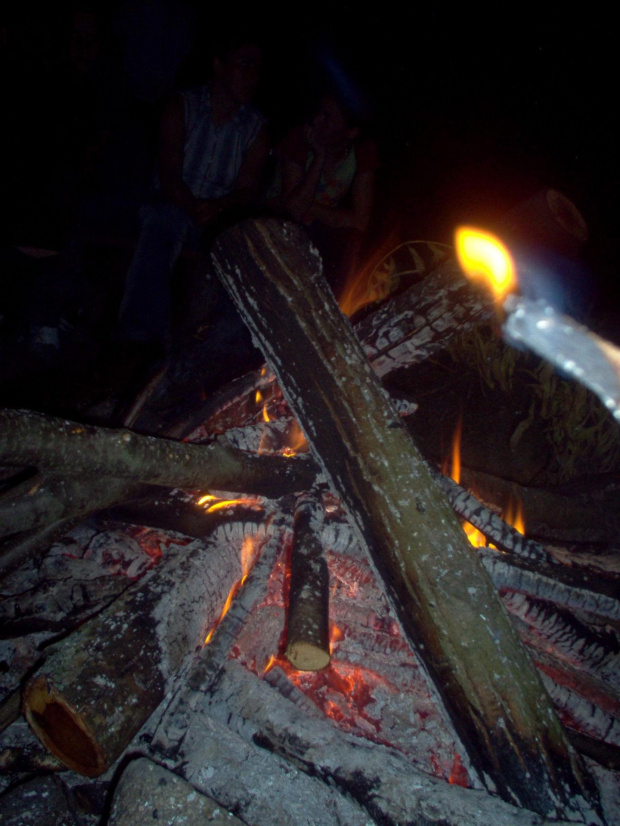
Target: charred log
[[443, 599]]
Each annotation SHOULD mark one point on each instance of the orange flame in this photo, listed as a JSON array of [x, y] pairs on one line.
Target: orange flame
[[483, 256], [513, 513], [249, 551], [335, 635]]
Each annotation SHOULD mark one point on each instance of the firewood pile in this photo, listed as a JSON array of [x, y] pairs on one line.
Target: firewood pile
[[236, 629]]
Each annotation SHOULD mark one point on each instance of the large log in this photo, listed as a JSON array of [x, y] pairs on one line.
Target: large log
[[445, 601], [28, 438]]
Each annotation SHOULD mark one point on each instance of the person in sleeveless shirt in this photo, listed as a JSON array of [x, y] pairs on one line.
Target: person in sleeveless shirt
[[213, 147], [327, 170]]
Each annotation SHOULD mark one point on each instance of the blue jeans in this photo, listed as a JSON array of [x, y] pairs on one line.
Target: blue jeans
[[145, 312]]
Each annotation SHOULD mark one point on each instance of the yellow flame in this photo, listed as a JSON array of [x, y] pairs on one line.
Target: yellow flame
[[476, 537], [265, 413], [483, 256], [205, 499], [258, 397]]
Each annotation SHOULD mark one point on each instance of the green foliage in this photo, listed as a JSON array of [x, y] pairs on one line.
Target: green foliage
[[581, 432]]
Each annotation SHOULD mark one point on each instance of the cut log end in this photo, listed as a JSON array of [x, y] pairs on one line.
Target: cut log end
[[304, 656], [59, 727]]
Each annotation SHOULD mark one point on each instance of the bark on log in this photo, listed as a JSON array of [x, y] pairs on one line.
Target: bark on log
[[39, 502], [307, 647], [99, 685], [28, 438], [444, 600]]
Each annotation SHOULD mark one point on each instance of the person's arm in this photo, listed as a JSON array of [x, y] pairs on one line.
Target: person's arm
[[171, 151]]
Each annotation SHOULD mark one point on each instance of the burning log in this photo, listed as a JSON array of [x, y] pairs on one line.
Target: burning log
[[443, 598], [488, 523], [307, 646], [100, 684], [552, 515]]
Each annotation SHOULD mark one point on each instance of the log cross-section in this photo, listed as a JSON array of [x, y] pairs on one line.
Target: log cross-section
[[444, 599]]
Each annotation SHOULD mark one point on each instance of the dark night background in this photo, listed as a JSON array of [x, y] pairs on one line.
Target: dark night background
[[473, 114]]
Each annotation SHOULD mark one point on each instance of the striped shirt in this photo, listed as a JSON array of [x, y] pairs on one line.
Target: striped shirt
[[212, 157]]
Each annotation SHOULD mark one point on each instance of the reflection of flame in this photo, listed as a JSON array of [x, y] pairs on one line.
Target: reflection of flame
[[513, 515], [296, 440], [483, 256], [454, 472], [249, 551]]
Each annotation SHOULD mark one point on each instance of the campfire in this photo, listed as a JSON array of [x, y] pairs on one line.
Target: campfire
[[266, 640]]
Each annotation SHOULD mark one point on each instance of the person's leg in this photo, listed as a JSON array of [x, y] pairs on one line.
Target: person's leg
[[145, 309]]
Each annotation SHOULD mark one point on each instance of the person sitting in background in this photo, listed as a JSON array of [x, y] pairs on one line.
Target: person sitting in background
[[327, 170], [212, 151]]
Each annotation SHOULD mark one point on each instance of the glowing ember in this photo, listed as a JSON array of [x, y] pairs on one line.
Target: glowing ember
[[483, 256]]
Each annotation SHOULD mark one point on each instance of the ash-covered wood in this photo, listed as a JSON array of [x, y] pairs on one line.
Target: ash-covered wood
[[557, 584], [149, 793], [443, 599], [383, 782], [167, 732], [307, 635], [102, 683], [420, 321]]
